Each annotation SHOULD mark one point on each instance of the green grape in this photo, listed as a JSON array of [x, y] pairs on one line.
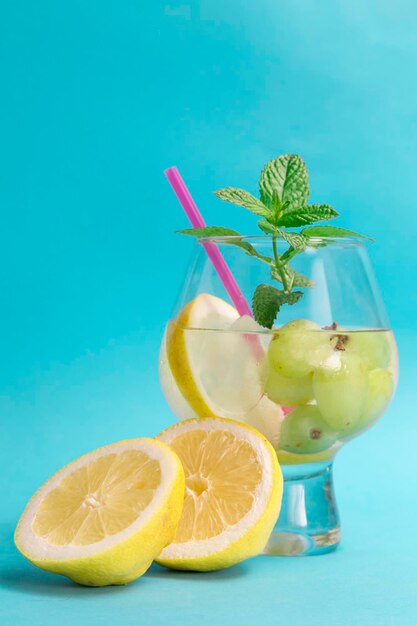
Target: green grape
[[304, 431], [380, 390], [340, 387], [291, 349], [288, 391], [372, 346]]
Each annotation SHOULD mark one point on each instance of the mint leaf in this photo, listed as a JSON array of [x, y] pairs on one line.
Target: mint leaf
[[267, 301], [267, 227], [294, 278], [331, 231], [307, 215], [238, 239], [219, 231], [287, 176], [243, 198], [302, 281], [210, 231], [296, 240]]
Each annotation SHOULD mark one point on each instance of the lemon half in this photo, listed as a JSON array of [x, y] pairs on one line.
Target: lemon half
[[232, 497], [102, 519]]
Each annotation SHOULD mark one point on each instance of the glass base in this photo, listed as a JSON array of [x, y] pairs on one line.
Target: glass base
[[309, 520]]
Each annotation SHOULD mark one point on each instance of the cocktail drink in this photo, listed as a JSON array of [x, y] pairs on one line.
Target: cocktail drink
[[309, 377]]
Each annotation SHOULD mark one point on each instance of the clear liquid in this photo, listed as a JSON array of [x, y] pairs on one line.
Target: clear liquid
[[306, 391]]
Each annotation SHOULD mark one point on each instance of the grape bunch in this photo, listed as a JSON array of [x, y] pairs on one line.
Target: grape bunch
[[336, 382]]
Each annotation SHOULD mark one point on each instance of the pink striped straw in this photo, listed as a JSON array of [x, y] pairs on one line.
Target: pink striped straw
[[212, 250]]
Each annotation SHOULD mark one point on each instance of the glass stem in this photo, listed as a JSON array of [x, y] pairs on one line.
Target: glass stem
[[309, 520]]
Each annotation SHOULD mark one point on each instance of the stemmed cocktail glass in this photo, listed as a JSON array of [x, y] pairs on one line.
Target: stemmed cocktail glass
[[321, 376]]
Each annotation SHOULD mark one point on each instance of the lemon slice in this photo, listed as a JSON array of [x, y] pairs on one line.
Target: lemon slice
[[233, 491], [176, 401], [102, 519], [209, 368], [196, 354]]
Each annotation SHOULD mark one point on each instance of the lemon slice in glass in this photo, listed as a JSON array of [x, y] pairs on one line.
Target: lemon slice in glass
[[209, 366]]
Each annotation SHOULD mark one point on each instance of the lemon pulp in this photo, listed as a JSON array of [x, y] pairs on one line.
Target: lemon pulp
[[98, 500], [222, 474]]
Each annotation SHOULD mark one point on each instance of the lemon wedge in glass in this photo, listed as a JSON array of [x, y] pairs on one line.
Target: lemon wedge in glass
[[209, 366]]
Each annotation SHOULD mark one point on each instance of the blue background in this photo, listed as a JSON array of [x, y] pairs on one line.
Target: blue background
[[97, 98]]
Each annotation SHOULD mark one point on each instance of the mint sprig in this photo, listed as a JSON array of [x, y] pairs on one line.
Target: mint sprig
[[284, 192]]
